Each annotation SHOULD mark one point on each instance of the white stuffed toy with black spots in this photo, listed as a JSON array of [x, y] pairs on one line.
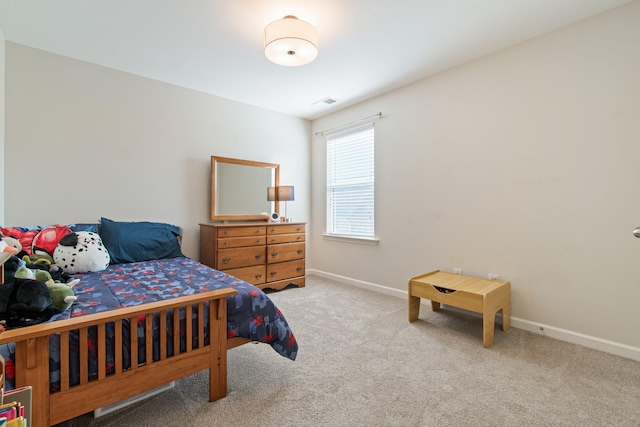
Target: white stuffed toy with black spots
[[81, 252]]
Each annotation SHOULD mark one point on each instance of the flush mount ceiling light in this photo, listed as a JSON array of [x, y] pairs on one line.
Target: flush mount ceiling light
[[290, 41]]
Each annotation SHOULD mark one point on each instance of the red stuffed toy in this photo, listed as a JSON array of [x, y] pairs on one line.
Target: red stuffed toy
[[24, 236], [45, 242]]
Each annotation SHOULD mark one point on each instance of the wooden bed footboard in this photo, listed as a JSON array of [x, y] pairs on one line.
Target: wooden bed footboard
[[32, 355]]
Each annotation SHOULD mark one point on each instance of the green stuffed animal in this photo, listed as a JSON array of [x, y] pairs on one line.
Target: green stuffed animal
[[24, 273], [41, 275], [38, 259], [62, 295]]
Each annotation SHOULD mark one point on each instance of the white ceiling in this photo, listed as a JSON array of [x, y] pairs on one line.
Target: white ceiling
[[367, 47]]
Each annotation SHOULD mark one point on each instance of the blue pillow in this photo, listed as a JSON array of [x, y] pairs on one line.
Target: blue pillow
[[139, 241]]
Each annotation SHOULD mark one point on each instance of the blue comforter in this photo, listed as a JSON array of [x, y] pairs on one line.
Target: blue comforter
[[250, 314]]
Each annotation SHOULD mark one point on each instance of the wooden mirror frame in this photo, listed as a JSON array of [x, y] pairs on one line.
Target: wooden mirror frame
[[215, 161]]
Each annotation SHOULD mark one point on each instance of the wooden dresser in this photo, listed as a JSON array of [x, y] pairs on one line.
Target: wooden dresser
[[267, 255]]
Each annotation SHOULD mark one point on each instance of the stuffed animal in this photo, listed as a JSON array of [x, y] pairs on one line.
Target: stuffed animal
[[24, 300], [22, 235], [11, 266], [24, 272], [6, 248], [38, 259], [11, 245], [30, 296], [62, 295], [81, 252], [47, 240], [47, 265], [12, 241]]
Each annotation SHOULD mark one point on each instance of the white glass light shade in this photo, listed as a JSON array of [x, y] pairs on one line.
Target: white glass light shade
[[290, 41]]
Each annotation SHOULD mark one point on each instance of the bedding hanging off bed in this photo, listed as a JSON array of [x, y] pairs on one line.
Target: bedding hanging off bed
[[251, 313]]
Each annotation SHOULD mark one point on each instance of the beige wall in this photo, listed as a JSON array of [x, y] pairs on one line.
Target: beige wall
[[84, 141], [523, 163], [2, 49]]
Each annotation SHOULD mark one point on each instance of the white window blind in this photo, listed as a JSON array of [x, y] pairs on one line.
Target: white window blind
[[350, 182]]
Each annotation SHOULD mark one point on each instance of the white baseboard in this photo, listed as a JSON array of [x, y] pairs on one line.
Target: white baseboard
[[359, 283], [595, 343]]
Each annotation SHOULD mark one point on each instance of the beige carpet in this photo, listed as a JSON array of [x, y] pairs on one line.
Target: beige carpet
[[361, 363]]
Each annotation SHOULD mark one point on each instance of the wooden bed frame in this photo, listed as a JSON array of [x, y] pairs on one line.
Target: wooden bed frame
[[49, 408]]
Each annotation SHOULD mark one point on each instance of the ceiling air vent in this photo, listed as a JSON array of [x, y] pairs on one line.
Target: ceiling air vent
[[327, 101]]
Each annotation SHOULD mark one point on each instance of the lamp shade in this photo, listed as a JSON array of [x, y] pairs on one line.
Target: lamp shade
[[285, 193], [271, 194], [290, 41]]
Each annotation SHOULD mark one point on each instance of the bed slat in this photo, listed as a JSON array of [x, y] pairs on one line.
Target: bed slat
[[189, 327], [102, 351], [148, 333], [163, 335], [200, 325], [64, 360], [118, 346], [175, 331], [83, 345], [133, 338], [32, 356]]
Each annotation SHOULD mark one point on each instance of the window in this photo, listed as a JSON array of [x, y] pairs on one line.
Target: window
[[350, 182]]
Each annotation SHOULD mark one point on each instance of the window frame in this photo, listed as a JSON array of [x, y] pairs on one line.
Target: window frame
[[346, 182]]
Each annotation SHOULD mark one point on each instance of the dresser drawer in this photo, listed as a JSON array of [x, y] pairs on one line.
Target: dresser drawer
[[255, 275], [241, 231], [239, 242], [285, 270], [240, 257], [285, 229], [285, 238], [285, 252]]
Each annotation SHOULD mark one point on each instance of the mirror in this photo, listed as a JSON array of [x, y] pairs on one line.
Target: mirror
[[239, 188]]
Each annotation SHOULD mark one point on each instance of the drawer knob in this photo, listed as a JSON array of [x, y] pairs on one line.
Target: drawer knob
[[258, 256], [299, 251], [274, 254], [258, 276], [226, 260], [273, 273], [226, 243], [299, 269], [226, 232], [258, 241]]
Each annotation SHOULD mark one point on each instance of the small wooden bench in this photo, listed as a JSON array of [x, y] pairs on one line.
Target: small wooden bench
[[470, 293]]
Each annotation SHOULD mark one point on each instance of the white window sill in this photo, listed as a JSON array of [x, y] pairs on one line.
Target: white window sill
[[352, 239]]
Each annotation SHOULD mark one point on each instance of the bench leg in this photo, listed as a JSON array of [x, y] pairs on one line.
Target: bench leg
[[506, 317], [488, 324], [414, 308]]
